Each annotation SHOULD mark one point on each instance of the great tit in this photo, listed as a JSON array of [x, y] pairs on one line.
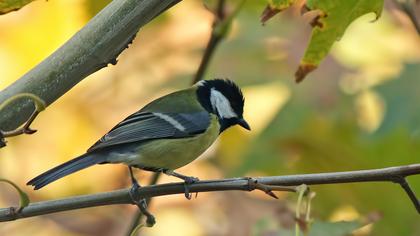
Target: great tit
[[166, 134]]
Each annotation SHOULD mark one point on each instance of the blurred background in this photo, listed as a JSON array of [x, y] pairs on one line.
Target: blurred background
[[358, 110]]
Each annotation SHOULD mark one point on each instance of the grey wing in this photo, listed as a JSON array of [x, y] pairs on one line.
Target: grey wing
[[143, 126]]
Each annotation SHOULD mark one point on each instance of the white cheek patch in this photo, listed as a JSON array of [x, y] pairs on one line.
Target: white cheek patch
[[170, 120], [221, 104]]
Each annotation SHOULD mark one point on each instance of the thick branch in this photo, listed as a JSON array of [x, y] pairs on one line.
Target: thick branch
[[92, 48], [391, 174]]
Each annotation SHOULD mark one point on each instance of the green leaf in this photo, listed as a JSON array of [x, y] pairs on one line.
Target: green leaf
[[329, 25], [274, 7], [7, 6], [24, 199], [340, 228]]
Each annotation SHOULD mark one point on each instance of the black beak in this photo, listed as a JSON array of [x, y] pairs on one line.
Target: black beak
[[243, 123]]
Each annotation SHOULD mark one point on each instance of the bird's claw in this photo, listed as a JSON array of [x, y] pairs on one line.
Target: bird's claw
[[28, 130], [191, 179], [187, 182]]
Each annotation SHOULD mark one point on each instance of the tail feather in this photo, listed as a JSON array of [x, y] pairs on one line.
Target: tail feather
[[65, 169]]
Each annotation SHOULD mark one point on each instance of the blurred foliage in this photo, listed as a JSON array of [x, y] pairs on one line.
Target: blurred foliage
[[401, 109], [341, 228], [357, 111], [94, 6], [7, 6]]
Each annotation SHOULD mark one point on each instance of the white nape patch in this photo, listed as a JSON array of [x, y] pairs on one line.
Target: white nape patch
[[201, 83], [220, 103], [170, 120]]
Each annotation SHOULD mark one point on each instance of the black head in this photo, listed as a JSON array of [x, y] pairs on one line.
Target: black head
[[223, 98]]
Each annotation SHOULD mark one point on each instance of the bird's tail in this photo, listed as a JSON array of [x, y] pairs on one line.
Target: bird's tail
[[65, 169]]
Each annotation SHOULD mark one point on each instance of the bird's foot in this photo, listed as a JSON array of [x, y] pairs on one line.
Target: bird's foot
[[188, 181], [134, 192], [141, 203]]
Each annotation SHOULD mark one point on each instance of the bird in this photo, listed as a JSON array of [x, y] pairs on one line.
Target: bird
[[166, 134]]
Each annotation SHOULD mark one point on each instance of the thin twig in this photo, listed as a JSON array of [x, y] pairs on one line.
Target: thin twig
[[215, 38], [39, 105], [407, 7], [404, 184], [26, 129], [390, 174]]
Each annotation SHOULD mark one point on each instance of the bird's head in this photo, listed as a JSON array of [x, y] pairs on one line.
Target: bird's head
[[223, 98]]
